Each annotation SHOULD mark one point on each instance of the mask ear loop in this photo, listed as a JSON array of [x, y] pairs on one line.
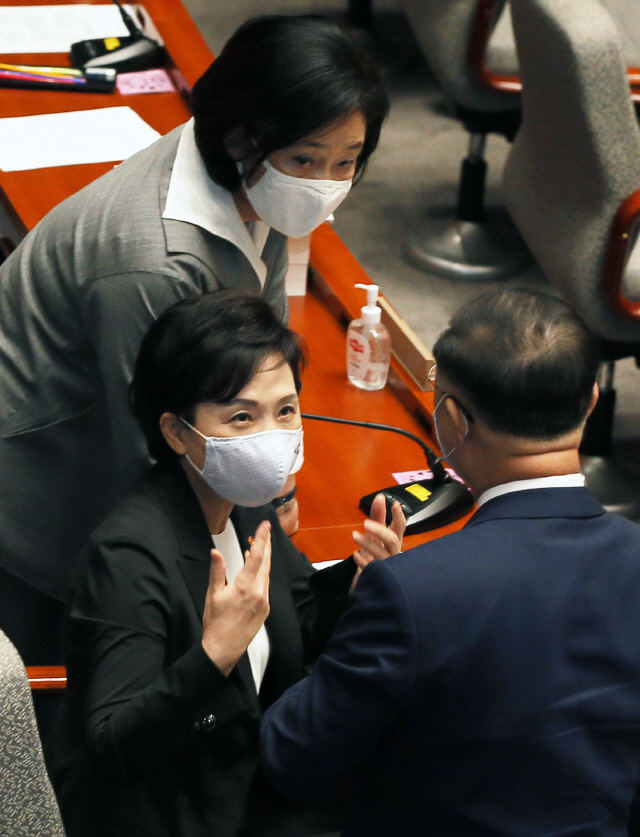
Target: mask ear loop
[[186, 455], [191, 427], [447, 454]]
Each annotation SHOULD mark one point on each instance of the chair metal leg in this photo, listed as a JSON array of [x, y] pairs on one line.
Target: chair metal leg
[[465, 246], [608, 480]]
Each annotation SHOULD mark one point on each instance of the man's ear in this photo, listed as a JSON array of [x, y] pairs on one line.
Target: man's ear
[[595, 394], [458, 420], [173, 429]]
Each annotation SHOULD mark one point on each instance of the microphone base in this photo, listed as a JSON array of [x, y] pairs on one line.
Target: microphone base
[[426, 504]]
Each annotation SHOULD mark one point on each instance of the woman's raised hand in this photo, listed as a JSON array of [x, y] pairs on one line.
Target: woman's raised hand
[[234, 613], [379, 540]]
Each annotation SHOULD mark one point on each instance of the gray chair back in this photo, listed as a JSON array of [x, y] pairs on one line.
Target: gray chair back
[[576, 157], [28, 807], [443, 29], [501, 56]]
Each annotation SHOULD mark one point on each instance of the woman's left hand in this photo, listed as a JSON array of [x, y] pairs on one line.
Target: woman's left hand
[[379, 541]]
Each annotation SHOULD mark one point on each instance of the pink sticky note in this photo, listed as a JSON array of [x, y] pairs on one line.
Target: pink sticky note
[[146, 81], [402, 477]]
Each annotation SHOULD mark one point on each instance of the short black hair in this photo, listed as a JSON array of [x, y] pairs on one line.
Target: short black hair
[[205, 348], [282, 78], [524, 360]]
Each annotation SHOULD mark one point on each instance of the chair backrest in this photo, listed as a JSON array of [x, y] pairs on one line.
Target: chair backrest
[[453, 35], [576, 158], [476, 55], [27, 803]]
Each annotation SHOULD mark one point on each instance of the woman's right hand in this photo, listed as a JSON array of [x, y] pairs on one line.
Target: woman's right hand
[[234, 613]]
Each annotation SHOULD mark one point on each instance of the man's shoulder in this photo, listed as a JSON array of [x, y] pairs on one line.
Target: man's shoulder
[[500, 538]]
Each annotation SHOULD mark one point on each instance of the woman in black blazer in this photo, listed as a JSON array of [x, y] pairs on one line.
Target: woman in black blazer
[[170, 666]]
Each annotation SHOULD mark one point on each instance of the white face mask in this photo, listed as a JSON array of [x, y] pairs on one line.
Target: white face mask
[[249, 470], [295, 206]]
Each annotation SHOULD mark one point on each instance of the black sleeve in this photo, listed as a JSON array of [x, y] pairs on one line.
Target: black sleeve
[[139, 710]]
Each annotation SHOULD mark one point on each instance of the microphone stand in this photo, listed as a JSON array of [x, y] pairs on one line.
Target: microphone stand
[[427, 504]]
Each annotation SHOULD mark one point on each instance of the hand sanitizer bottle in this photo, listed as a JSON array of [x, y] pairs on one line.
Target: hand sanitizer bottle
[[368, 345]]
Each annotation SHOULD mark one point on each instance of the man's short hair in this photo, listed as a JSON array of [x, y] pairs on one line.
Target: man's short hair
[[523, 359]]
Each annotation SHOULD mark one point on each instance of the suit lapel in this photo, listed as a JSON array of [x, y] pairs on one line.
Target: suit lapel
[[286, 659], [195, 543]]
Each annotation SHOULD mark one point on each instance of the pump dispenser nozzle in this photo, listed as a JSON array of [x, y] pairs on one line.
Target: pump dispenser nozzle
[[371, 312]]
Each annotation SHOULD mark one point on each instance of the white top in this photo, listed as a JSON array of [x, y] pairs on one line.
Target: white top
[[193, 197], [563, 481], [258, 650]]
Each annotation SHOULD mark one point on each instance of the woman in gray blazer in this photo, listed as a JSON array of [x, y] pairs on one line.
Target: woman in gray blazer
[[283, 120], [169, 666]]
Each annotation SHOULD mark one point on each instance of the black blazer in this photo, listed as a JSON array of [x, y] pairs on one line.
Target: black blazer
[[153, 739], [484, 684]]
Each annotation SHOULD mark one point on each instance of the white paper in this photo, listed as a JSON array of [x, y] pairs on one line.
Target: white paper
[[55, 28], [66, 139]]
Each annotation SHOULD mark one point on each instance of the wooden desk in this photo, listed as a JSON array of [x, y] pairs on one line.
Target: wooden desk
[[342, 463], [27, 196]]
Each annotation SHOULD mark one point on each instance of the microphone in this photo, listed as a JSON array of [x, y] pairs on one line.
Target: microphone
[[134, 30], [427, 504]]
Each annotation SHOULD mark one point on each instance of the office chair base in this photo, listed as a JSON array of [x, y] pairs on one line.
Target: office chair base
[[465, 250], [612, 485]]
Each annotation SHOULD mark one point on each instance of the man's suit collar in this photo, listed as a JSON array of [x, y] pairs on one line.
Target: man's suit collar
[[540, 503]]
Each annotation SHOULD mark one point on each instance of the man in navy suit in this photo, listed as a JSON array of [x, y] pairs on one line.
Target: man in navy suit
[[488, 683]]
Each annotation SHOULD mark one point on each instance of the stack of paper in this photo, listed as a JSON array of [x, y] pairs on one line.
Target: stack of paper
[[67, 139]]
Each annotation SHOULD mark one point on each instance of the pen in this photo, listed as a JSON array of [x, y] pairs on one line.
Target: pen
[[38, 70], [102, 80]]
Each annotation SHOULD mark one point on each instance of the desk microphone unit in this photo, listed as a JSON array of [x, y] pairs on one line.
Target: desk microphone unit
[[135, 52], [427, 504]]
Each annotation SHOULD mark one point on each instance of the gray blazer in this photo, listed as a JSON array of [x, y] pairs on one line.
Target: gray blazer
[[76, 298]]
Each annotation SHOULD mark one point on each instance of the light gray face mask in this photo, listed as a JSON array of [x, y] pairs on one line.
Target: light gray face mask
[[446, 453], [295, 206], [249, 470]]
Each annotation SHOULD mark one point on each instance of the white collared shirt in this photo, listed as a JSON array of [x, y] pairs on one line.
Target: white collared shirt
[[562, 481], [259, 649], [193, 197]]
